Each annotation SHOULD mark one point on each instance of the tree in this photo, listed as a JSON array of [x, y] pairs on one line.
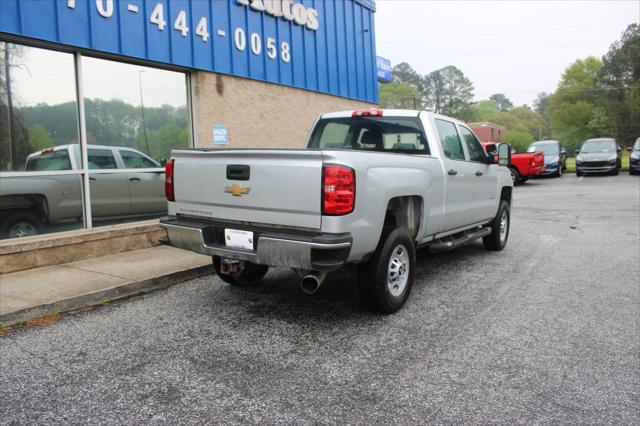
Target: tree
[[502, 102], [541, 104], [536, 125], [619, 82], [398, 95], [404, 73], [572, 106], [448, 91]]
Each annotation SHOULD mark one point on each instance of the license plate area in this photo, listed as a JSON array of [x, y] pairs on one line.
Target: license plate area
[[236, 238]]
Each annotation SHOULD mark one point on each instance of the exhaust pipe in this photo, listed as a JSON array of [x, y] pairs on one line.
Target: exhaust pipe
[[312, 281]]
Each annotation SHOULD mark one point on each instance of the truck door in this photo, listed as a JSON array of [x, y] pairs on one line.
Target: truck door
[[146, 186], [109, 191], [460, 178], [486, 182]]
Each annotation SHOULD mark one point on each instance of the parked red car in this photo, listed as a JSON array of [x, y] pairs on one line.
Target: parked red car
[[523, 165]]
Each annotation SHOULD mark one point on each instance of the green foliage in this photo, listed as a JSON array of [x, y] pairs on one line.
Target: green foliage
[[522, 124], [501, 101], [399, 95], [518, 139], [39, 137]]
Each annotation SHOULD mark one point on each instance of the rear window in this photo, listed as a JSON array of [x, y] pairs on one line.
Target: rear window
[[51, 161], [382, 134]]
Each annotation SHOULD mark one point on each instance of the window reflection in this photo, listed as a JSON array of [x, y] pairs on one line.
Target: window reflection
[[38, 133], [135, 107]]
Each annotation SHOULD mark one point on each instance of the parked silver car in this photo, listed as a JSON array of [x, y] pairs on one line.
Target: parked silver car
[[28, 204]]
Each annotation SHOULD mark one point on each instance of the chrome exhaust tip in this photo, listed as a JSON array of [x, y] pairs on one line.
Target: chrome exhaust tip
[[312, 281]]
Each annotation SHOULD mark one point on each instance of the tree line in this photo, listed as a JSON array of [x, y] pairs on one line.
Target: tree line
[[594, 98]]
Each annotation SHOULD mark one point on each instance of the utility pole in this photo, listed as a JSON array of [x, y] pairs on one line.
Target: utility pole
[[144, 123], [7, 66]]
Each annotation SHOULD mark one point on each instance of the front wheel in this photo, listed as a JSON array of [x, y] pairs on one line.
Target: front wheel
[[515, 177], [249, 274], [500, 226], [385, 280]]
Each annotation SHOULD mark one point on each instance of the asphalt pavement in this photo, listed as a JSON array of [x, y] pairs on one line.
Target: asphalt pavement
[[546, 331]]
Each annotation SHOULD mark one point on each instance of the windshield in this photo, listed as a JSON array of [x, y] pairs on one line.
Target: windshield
[[384, 134], [547, 148], [598, 145], [636, 146]]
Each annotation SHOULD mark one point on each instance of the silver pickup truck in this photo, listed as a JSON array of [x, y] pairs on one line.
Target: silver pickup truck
[[35, 203], [370, 188]]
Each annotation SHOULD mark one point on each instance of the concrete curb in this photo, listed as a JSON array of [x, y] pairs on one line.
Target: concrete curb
[[89, 300]]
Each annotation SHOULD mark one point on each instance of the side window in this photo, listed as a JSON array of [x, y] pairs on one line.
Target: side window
[[476, 152], [101, 159], [450, 140], [134, 160]]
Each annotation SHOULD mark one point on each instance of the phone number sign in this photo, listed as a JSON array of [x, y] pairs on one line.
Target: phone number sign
[[302, 43]]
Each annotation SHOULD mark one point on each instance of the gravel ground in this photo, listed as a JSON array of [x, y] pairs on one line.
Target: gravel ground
[[546, 331]]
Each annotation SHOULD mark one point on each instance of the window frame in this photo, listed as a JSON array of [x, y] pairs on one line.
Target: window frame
[[462, 145]]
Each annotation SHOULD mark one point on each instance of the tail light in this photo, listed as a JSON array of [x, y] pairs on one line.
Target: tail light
[[338, 190], [168, 181], [367, 113]]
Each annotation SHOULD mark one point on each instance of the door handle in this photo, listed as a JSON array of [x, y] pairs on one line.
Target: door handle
[[478, 173], [452, 172], [92, 178], [134, 179]]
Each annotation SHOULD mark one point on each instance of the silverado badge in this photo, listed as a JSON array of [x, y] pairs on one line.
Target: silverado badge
[[236, 190]]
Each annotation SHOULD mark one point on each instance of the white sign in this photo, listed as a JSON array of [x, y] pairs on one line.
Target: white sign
[[288, 9], [220, 135]]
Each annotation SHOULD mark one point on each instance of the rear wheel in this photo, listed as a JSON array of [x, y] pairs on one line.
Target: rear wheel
[[248, 275], [385, 280], [500, 225], [20, 224]]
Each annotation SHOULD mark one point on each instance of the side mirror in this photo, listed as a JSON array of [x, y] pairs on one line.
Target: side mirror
[[563, 152], [577, 151], [629, 149], [619, 149], [504, 154], [491, 149]]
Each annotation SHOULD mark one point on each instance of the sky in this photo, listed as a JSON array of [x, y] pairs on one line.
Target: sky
[[518, 48]]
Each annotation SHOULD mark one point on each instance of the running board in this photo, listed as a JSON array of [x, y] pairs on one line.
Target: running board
[[459, 239]]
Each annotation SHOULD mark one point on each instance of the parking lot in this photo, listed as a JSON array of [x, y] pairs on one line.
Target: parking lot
[[546, 331]]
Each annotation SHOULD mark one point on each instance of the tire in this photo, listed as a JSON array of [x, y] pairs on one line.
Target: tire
[[497, 240], [21, 224], [515, 177], [385, 280], [250, 274], [615, 172], [559, 172], [579, 173]]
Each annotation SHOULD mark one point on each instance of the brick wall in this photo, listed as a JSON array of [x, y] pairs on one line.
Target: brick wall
[[258, 114]]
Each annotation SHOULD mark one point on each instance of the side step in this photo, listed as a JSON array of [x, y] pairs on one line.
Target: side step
[[459, 239]]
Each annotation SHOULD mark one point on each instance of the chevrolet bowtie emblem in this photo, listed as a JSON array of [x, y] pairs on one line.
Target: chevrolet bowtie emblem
[[236, 190]]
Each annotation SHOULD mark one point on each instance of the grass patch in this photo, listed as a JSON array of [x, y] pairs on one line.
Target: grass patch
[[571, 163]]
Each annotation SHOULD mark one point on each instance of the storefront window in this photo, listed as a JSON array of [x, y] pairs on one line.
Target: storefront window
[[38, 133], [135, 116]]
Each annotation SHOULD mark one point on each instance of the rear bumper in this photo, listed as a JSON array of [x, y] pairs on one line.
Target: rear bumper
[[323, 252]]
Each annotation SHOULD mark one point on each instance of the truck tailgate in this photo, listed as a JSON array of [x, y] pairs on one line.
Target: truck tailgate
[[271, 187]]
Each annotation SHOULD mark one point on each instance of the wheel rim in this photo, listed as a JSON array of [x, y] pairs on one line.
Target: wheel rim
[[504, 226], [22, 229], [398, 270]]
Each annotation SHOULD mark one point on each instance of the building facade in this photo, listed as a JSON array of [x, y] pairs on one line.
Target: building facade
[[488, 132], [94, 94]]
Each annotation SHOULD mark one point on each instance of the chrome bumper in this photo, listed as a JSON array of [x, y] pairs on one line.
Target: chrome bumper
[[309, 252]]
